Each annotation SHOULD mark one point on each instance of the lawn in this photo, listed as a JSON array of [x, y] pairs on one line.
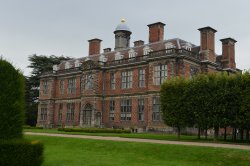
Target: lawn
[[163, 136], [78, 152]]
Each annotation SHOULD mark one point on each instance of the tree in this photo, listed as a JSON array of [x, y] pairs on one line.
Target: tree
[[39, 64], [173, 103], [197, 94], [11, 101]]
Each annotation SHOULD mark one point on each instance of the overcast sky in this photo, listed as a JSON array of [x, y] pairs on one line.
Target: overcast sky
[[62, 27]]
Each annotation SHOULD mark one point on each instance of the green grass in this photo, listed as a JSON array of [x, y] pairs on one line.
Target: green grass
[[169, 137], [77, 152]]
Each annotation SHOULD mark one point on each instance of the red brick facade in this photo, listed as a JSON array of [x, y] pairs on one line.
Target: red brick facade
[[104, 89]]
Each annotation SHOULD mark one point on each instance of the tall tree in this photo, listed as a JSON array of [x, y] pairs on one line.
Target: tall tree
[[173, 104], [39, 64]]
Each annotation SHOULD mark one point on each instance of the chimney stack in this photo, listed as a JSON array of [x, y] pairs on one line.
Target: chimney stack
[[156, 32], [207, 35], [105, 50], [228, 53], [94, 46], [138, 43]]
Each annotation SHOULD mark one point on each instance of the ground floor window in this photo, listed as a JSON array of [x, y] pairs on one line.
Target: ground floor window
[[126, 107], [156, 112], [111, 110], [44, 111], [60, 112], [70, 111], [141, 109]]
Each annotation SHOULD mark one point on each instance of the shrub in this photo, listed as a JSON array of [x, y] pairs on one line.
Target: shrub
[[20, 153], [11, 101], [94, 130], [31, 127]]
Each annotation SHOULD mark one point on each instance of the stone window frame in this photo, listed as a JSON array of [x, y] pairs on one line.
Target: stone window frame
[[132, 54], [142, 77], [72, 85], [141, 109], [146, 50], [60, 112], [89, 81], [45, 86], [127, 79], [169, 46], [43, 112], [61, 86], [70, 112], [160, 73], [126, 109], [112, 110], [156, 109], [112, 80]]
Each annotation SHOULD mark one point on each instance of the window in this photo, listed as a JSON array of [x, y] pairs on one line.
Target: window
[[70, 111], [127, 79], [169, 46], [118, 56], [67, 65], [141, 78], [112, 80], [160, 74], [61, 86], [45, 87], [111, 110], [193, 71], [126, 108], [146, 50], [71, 85], [89, 81], [141, 109], [77, 63], [131, 54], [60, 112], [156, 115], [187, 46], [44, 111]]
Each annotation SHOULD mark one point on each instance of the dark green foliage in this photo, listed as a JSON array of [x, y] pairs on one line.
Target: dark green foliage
[[39, 64], [20, 153], [93, 130], [31, 127], [173, 101], [11, 101], [214, 100]]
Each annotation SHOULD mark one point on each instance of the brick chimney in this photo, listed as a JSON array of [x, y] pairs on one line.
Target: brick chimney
[[156, 32], [105, 50], [138, 43], [228, 53], [207, 51], [94, 46]]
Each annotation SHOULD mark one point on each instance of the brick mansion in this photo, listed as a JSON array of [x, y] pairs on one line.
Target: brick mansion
[[121, 87]]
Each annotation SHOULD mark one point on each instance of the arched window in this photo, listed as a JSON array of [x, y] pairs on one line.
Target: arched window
[[146, 50], [187, 46], [102, 58], [131, 53], [118, 56], [67, 65], [77, 63], [169, 47]]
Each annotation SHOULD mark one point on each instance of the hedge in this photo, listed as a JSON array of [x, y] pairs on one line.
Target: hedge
[[31, 127], [94, 130], [21, 153], [11, 101]]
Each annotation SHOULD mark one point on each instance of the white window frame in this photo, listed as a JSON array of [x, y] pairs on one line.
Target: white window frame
[[127, 79], [146, 50], [160, 73]]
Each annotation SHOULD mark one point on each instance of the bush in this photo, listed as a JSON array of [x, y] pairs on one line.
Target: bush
[[93, 130], [31, 127], [20, 153], [11, 101]]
